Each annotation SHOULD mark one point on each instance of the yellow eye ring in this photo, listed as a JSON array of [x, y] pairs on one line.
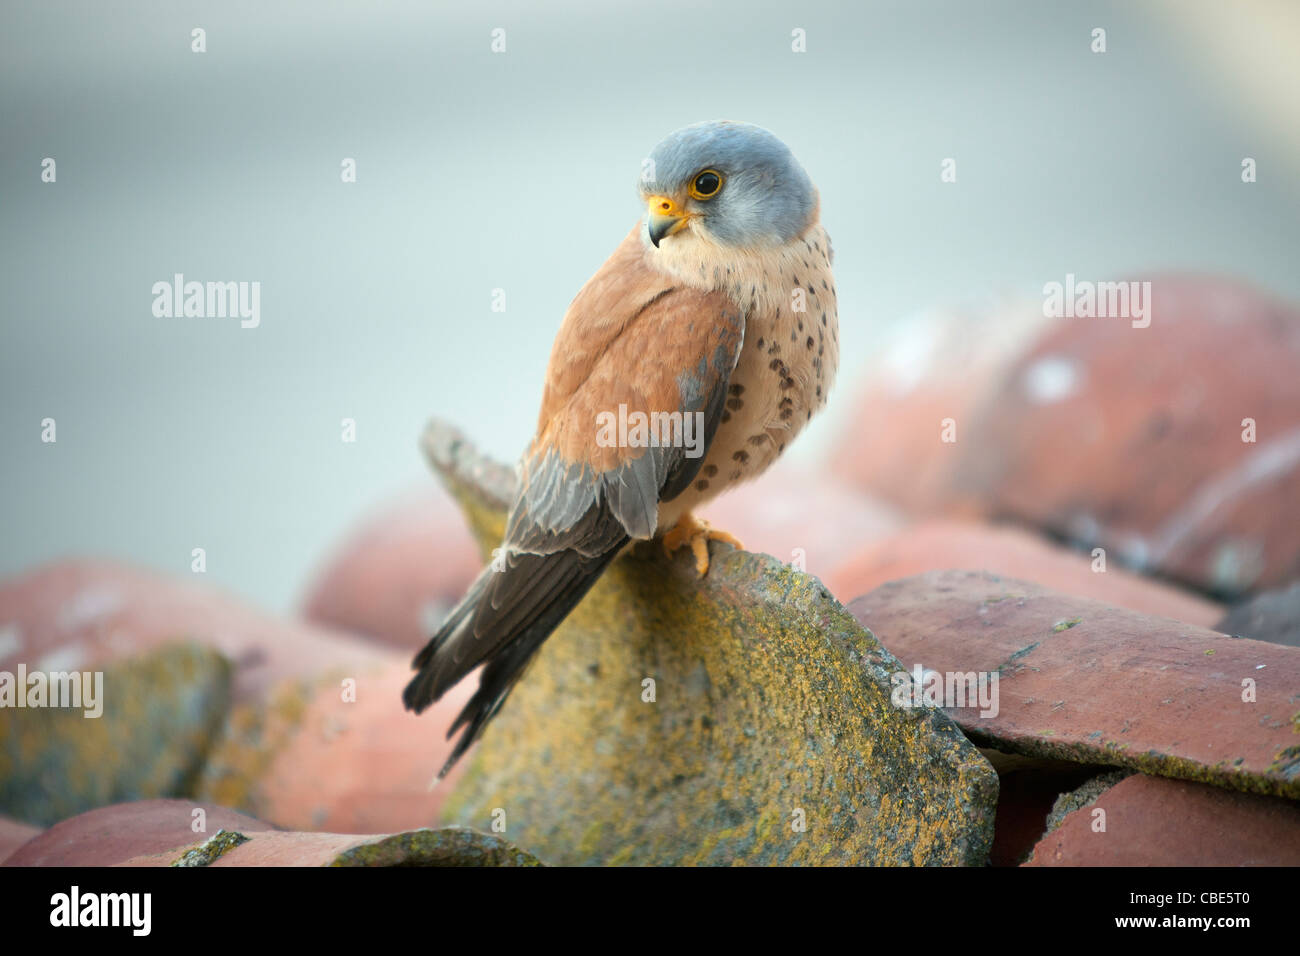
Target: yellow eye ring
[[706, 184]]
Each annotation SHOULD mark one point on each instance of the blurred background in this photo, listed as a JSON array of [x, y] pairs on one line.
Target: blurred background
[[967, 429], [376, 300]]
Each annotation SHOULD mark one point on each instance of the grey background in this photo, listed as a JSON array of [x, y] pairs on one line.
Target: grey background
[[517, 171]]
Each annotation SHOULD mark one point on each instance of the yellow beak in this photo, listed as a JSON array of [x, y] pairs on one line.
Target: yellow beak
[[664, 217]]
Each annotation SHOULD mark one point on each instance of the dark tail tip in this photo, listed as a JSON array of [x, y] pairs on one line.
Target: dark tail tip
[[419, 692]]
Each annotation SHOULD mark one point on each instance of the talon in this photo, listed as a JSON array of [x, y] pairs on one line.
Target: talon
[[691, 531]]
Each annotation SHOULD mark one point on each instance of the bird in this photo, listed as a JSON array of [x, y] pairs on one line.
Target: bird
[[686, 365]]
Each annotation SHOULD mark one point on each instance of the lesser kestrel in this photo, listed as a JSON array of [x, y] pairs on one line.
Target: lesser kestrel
[[687, 364]]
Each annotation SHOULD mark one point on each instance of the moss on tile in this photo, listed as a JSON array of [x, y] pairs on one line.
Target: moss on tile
[[162, 712], [772, 739], [251, 739], [447, 846], [211, 849]]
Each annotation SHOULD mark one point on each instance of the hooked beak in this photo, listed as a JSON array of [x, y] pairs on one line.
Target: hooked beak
[[664, 217]]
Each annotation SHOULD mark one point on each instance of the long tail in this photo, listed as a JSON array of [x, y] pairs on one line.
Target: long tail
[[502, 620]]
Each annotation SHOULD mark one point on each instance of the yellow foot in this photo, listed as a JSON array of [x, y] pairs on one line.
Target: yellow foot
[[689, 530]]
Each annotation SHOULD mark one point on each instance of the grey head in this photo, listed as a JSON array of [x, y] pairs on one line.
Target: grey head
[[733, 183]]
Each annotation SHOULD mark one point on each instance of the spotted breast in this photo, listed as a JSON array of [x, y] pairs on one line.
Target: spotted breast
[[788, 361]]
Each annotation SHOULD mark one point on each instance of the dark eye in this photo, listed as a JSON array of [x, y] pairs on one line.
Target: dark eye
[[706, 184]]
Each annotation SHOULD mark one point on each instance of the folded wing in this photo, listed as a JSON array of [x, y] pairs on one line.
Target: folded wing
[[631, 343]]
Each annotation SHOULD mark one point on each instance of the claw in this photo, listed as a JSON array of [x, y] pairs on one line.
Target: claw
[[691, 531]]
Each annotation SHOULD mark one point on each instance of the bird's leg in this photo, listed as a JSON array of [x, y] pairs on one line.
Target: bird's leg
[[689, 530]]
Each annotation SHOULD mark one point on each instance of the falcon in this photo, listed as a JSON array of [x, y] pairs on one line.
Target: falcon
[[717, 310]]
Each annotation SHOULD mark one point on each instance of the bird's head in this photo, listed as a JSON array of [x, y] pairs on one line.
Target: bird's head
[[730, 183]]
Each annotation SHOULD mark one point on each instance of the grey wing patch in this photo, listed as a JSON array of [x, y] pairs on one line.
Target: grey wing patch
[[554, 509]]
